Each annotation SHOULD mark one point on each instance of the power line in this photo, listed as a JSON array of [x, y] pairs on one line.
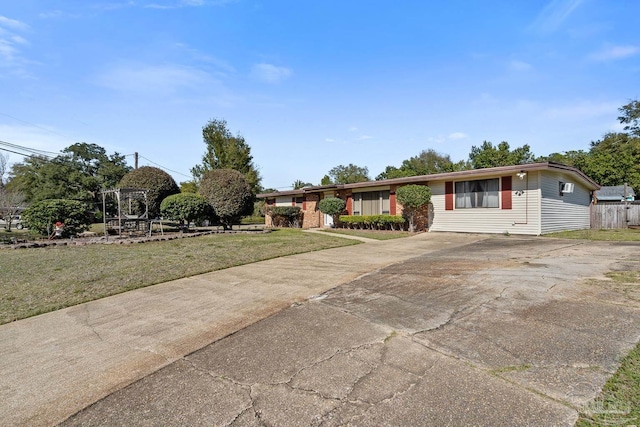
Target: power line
[[22, 149], [37, 126], [165, 168]]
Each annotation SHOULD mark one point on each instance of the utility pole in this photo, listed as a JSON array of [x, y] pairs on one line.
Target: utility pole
[[135, 160]]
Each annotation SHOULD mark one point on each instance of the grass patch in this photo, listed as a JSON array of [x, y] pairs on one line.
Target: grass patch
[[36, 281], [510, 368], [371, 234], [619, 402], [616, 235]]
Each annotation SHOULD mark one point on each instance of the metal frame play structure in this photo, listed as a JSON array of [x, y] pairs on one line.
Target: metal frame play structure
[[127, 220]]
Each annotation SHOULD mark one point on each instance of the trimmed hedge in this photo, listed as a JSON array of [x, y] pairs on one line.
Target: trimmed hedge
[[41, 217], [373, 222], [285, 216]]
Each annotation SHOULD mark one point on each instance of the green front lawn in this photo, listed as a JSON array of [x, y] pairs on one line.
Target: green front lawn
[[40, 280]]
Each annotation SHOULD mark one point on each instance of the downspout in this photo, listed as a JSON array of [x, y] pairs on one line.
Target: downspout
[[526, 201]]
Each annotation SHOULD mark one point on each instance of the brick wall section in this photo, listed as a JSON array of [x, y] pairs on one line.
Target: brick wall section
[[311, 216]]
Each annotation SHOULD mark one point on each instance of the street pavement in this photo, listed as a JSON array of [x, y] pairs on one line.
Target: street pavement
[[436, 329]]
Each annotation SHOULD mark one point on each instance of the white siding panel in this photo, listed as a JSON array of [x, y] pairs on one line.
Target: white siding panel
[[569, 211], [523, 218]]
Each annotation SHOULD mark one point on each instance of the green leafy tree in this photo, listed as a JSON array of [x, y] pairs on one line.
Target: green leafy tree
[[326, 180], [413, 198], [349, 174], [41, 216], [630, 116], [226, 151], [229, 193], [79, 173], [159, 183], [300, 184], [426, 163], [333, 206], [186, 207], [614, 160], [488, 155], [188, 187]]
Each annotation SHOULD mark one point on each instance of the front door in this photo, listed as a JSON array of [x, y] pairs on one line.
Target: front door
[[328, 220]]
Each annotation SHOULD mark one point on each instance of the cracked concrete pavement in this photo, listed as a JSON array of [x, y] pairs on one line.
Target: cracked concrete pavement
[[446, 329]]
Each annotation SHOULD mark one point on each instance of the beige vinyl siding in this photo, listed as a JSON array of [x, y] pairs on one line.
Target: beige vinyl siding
[[523, 218], [284, 201], [570, 211]]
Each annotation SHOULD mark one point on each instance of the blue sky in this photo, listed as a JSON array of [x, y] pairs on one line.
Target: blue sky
[[312, 85]]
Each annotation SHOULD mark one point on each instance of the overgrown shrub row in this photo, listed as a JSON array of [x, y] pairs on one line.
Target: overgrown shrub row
[[286, 216], [373, 222]]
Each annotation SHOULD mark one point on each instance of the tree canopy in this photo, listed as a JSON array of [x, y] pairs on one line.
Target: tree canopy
[[229, 193], [186, 207], [300, 184], [79, 173], [630, 117], [226, 151], [412, 198], [159, 183], [488, 156], [349, 174], [427, 162]]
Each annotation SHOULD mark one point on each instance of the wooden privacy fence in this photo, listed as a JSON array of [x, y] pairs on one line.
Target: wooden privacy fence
[[615, 215]]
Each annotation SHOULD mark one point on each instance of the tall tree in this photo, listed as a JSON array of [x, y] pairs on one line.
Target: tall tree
[[229, 193], [488, 155], [79, 173], [349, 174], [300, 184], [226, 151], [630, 116], [427, 162], [614, 160]]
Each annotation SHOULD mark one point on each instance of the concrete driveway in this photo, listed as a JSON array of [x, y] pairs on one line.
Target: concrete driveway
[[500, 331]]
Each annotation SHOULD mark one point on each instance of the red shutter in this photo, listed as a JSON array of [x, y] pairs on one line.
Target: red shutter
[[448, 195], [506, 192], [392, 203]]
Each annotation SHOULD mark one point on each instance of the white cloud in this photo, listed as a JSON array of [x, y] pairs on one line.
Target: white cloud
[[582, 110], [517, 65], [177, 4], [151, 78], [553, 15], [269, 73], [611, 53], [457, 135], [11, 57], [329, 140], [12, 23], [364, 137], [454, 136]]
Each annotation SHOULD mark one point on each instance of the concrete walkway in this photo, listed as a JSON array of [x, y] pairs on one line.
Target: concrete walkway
[[56, 364]]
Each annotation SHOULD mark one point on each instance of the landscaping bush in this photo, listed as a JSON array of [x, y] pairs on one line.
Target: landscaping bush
[[412, 198], [332, 206], [159, 183], [373, 222], [42, 216], [186, 207], [285, 216], [228, 192]]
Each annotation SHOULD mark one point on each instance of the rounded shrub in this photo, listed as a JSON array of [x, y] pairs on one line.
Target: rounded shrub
[[159, 184], [186, 207], [42, 216], [228, 193]]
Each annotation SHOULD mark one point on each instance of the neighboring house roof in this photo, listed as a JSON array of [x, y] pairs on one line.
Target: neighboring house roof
[[614, 193], [466, 174]]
